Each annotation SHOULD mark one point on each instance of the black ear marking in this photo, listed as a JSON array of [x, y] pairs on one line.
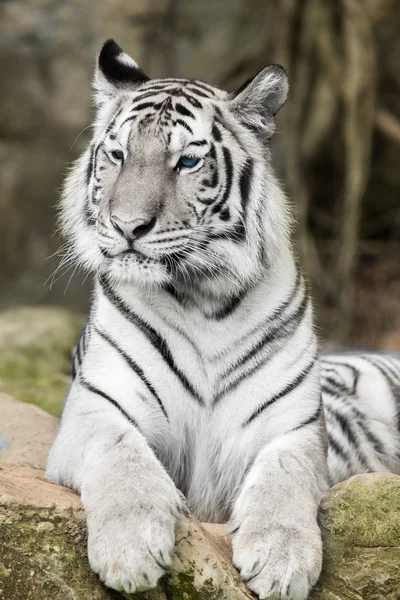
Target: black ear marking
[[118, 67]]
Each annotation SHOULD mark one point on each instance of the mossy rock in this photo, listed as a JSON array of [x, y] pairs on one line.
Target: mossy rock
[[361, 529], [43, 546], [35, 350], [43, 550]]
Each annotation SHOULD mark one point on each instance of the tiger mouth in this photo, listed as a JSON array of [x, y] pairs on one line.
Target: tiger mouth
[[129, 251], [161, 258], [132, 255]]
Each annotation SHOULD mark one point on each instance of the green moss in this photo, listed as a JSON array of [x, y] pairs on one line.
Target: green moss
[[182, 586], [365, 514], [35, 350], [361, 531], [43, 557], [47, 393]]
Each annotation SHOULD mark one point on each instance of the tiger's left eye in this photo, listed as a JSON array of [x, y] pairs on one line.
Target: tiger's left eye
[[187, 161], [117, 154]]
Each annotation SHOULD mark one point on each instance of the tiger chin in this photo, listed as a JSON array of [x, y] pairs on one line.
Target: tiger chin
[[196, 379]]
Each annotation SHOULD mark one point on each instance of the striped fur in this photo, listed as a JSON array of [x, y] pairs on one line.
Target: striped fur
[[361, 401], [197, 369]]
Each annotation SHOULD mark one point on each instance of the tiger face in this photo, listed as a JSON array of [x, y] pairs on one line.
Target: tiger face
[[176, 187]]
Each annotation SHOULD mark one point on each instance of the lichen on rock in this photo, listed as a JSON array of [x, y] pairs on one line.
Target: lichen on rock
[[361, 527], [43, 556]]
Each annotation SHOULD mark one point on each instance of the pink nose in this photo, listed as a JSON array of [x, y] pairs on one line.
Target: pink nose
[[132, 230]]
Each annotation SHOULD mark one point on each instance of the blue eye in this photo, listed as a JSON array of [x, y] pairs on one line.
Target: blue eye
[[117, 154], [188, 161]]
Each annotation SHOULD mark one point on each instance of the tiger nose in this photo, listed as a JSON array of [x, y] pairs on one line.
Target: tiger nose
[[132, 230]]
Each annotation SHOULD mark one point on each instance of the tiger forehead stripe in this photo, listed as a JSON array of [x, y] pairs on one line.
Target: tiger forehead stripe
[[144, 105], [131, 118], [197, 92], [183, 110], [143, 95], [184, 124], [203, 86]]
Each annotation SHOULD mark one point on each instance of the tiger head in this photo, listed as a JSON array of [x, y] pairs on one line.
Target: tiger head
[[176, 186]]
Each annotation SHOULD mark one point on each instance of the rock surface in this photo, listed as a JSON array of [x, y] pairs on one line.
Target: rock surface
[[43, 535], [43, 550], [35, 350], [43, 546], [26, 433], [361, 525]]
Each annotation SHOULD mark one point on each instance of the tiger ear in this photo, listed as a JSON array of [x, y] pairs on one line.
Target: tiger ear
[[115, 71], [258, 101]]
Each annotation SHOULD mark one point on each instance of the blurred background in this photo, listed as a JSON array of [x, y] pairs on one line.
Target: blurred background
[[337, 149]]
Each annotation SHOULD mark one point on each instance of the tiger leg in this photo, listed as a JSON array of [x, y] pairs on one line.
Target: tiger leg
[[131, 504], [275, 535]]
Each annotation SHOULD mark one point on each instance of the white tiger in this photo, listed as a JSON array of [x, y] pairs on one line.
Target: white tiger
[[197, 371]]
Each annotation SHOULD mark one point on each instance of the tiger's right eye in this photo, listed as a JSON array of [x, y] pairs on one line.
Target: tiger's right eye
[[117, 154]]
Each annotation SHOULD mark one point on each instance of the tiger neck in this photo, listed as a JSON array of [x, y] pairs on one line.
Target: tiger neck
[[253, 301]]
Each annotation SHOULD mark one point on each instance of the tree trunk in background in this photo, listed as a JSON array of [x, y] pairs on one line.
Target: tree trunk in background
[[329, 51], [336, 149]]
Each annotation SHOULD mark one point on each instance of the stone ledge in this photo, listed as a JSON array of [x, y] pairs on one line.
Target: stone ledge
[[43, 533], [43, 549], [43, 546], [26, 433]]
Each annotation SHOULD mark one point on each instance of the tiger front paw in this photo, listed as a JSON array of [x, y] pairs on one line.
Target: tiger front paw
[[131, 537], [278, 562]]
